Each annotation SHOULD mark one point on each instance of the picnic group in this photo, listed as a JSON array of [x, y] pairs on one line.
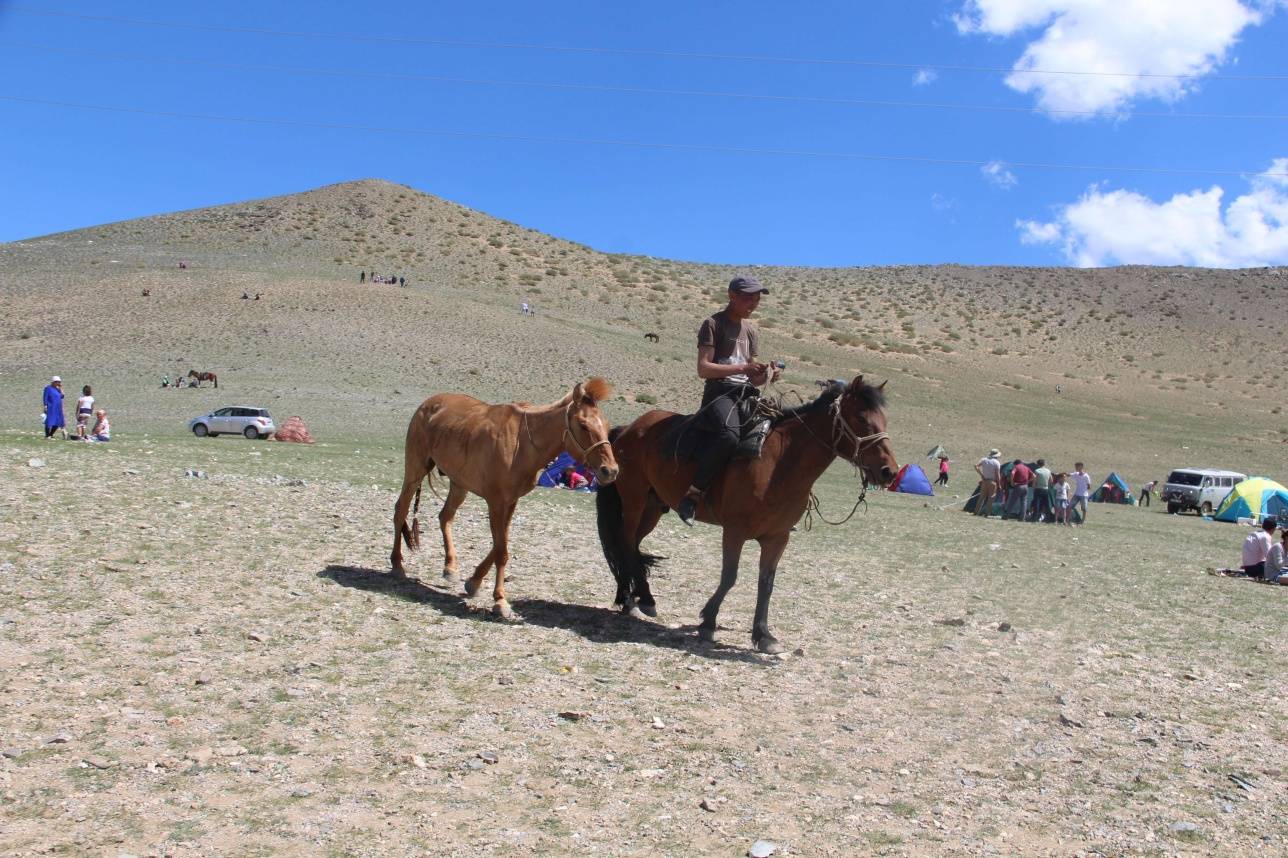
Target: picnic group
[[55, 423], [387, 279]]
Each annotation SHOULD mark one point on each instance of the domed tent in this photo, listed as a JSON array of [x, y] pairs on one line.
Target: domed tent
[[1113, 490], [911, 479], [1256, 497]]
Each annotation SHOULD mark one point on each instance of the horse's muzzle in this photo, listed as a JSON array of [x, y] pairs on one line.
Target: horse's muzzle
[[606, 474]]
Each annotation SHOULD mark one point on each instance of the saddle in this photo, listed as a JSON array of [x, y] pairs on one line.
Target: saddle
[[687, 434]]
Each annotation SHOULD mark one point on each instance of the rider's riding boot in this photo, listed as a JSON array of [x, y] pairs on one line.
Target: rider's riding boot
[[688, 507]]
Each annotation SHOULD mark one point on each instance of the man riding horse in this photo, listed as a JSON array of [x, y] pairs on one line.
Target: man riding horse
[[728, 343]]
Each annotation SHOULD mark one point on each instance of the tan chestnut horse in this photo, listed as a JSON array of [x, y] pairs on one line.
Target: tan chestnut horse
[[758, 499], [497, 452], [199, 377]]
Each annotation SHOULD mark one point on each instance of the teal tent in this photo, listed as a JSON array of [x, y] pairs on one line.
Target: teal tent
[[1113, 490], [1257, 497]]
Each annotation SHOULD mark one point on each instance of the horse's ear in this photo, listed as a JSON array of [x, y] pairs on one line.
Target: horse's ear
[[596, 390], [881, 386], [857, 383], [578, 393]]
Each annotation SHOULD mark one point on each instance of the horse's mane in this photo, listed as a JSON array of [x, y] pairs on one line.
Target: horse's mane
[[598, 389], [870, 398]]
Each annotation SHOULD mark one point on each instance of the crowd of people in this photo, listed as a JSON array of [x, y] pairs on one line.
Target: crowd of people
[[1034, 494], [387, 279], [55, 422]]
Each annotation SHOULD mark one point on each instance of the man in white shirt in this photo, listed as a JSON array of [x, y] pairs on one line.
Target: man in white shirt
[[989, 469], [1256, 547], [1081, 489]]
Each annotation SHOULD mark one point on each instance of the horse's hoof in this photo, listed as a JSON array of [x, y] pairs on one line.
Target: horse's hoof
[[399, 573], [706, 634], [769, 645], [648, 610], [449, 575], [472, 587], [636, 613], [502, 610]]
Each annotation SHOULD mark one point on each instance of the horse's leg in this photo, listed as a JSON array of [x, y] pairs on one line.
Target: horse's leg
[[731, 550], [500, 520], [455, 497], [649, 517], [771, 551], [633, 513], [411, 482]]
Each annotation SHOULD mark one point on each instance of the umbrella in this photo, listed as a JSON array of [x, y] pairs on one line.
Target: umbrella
[[937, 452]]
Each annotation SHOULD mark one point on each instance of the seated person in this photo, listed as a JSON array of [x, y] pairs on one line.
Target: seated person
[[102, 429], [1255, 548], [1277, 561], [569, 478]]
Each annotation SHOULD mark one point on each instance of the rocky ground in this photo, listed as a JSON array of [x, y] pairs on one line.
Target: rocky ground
[[216, 663]]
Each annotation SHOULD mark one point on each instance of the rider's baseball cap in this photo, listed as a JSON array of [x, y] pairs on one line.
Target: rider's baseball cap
[[745, 284]]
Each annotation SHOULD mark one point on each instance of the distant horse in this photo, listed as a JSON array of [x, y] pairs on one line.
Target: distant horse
[[199, 377], [760, 499], [651, 337], [496, 452], [147, 292]]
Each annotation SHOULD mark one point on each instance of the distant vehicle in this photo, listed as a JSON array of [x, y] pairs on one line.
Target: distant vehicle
[[250, 422], [1199, 489]]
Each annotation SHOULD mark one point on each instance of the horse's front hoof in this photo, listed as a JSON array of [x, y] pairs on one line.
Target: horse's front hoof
[[647, 610], [637, 613], [398, 573], [450, 575], [769, 645], [502, 609], [706, 634], [472, 587]]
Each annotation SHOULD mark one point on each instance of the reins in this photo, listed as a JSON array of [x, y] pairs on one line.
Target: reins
[[568, 433]]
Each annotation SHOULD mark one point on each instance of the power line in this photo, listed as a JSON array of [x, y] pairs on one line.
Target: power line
[[638, 52], [638, 144], [627, 90]]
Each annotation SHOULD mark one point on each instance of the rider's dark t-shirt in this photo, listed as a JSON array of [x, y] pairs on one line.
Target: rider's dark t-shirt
[[723, 333]]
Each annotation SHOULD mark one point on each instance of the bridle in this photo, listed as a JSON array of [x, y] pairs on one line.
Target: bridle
[[571, 436], [842, 430]]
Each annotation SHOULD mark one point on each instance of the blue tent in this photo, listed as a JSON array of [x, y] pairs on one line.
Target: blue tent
[[1121, 494], [911, 479], [549, 478]]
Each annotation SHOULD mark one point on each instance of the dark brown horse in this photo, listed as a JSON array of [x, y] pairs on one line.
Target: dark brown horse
[[199, 377], [496, 452], [760, 499]]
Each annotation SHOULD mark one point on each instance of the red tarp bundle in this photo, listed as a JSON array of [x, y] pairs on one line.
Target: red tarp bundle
[[293, 430]]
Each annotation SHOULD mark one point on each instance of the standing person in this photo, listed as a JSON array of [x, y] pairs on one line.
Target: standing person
[[1081, 490], [1041, 503], [989, 469], [1060, 488], [1018, 499], [53, 408], [1256, 547], [362, 276], [84, 408], [728, 343], [1146, 491], [942, 479]]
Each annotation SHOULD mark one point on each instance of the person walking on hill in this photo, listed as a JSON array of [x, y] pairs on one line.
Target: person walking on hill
[[1081, 489], [53, 408], [728, 343], [989, 469], [362, 276], [942, 479], [1040, 506]]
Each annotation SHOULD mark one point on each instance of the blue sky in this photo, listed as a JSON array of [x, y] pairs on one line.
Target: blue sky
[[720, 153]]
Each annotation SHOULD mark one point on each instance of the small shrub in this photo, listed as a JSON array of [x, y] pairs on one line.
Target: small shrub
[[646, 399]]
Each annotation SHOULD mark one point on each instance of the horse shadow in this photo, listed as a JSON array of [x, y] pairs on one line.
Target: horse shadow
[[594, 624]]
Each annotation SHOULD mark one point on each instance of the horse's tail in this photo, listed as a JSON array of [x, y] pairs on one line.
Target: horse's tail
[[411, 535], [612, 535]]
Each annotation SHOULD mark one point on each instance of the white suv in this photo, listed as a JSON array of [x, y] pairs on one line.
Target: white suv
[[243, 420], [1198, 489]]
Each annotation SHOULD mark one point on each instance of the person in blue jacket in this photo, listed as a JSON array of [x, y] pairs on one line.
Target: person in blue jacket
[[54, 408]]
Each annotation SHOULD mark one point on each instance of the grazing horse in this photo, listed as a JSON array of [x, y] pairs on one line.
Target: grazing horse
[[760, 499], [496, 452], [199, 377], [651, 337]]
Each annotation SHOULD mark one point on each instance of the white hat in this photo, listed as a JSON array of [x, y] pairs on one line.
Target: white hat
[[57, 379]]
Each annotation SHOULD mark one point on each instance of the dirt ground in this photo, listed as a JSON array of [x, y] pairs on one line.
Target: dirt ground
[[217, 664]]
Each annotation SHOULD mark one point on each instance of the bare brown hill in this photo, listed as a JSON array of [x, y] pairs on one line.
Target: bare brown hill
[[1151, 364]]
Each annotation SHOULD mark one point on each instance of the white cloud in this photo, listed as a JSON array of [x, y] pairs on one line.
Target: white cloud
[[1137, 37], [997, 174], [941, 203], [924, 77], [1119, 227]]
